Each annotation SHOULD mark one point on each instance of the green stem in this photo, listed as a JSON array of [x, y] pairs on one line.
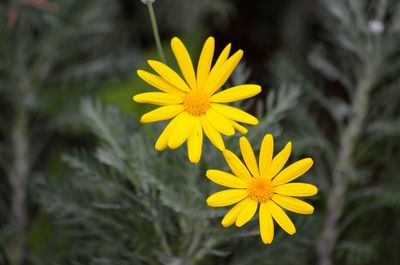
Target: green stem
[[349, 139], [155, 31], [19, 177]]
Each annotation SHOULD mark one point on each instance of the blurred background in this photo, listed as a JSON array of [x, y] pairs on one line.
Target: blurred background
[[80, 181]]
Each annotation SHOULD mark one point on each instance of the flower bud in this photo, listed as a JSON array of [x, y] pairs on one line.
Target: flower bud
[[147, 1], [376, 26]]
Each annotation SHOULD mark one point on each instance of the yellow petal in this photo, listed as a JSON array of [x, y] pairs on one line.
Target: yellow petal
[[238, 127], [162, 113], [212, 134], [195, 142], [162, 141], [185, 63], [281, 217], [293, 171], [248, 156], [160, 83], [293, 204], [225, 179], [181, 131], [236, 93], [221, 60], [226, 197], [205, 60], [234, 113], [220, 123], [280, 160], [168, 74], [246, 213], [231, 216], [266, 153], [266, 224], [217, 79], [157, 98], [296, 189], [237, 167]]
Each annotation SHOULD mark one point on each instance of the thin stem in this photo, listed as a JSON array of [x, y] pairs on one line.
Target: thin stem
[[349, 138], [19, 171], [160, 233], [157, 225], [155, 31], [19, 177]]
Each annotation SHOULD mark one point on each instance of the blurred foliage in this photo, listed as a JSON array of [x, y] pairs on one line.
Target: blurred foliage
[[351, 88], [51, 54], [67, 74]]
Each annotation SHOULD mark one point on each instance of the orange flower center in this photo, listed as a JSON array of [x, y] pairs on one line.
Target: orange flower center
[[196, 102], [260, 189]]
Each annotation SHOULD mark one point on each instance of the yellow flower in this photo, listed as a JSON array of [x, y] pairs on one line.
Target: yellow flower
[[192, 102], [262, 184]]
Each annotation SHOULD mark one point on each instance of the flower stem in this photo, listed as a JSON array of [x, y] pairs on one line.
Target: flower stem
[[155, 31]]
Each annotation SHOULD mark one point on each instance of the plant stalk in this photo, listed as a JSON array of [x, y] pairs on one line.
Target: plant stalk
[[160, 233], [155, 31], [348, 141], [19, 177]]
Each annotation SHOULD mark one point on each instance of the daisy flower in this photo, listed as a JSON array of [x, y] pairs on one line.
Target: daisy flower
[[264, 184], [192, 102]]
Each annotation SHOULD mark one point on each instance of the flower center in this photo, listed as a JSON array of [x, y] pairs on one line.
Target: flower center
[[196, 102], [260, 189]]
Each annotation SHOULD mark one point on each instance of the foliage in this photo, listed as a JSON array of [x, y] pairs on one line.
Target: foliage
[[113, 199], [355, 91]]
